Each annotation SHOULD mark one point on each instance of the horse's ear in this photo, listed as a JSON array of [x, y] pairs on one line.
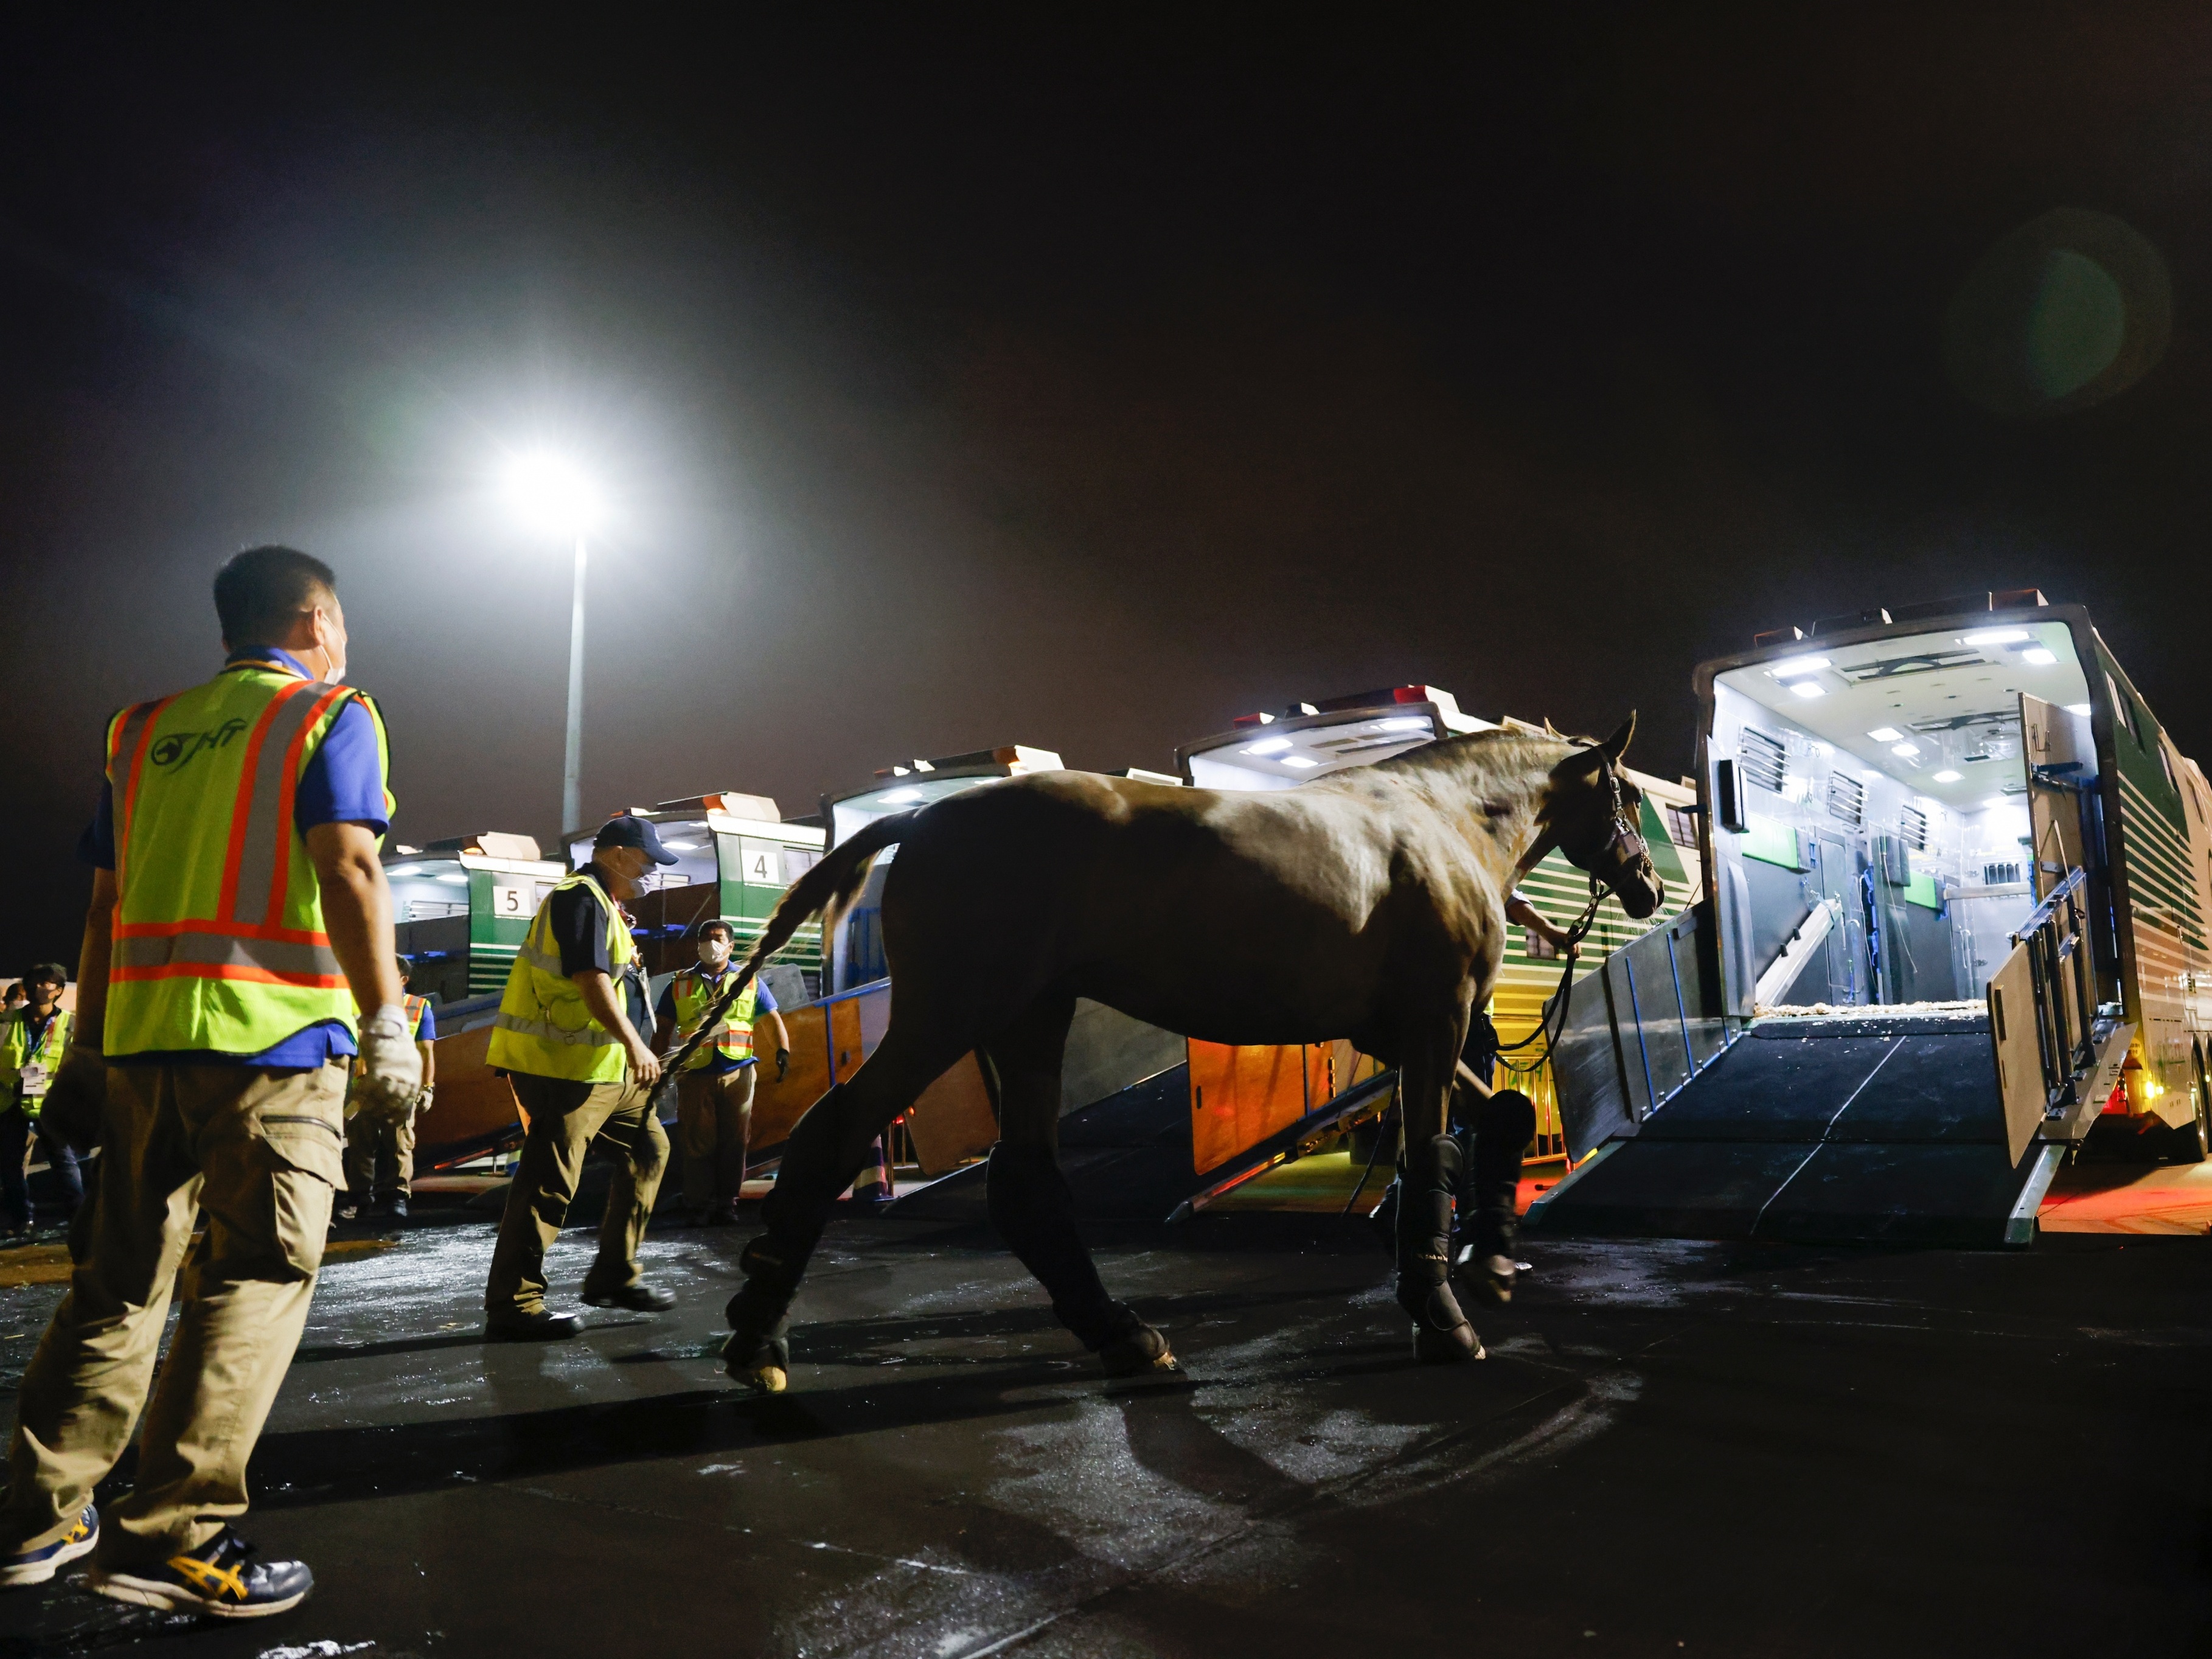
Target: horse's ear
[[1616, 745], [1551, 731]]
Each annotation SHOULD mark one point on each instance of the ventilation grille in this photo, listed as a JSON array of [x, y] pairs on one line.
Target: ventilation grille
[[1847, 800], [1912, 828], [2000, 875], [1766, 762]]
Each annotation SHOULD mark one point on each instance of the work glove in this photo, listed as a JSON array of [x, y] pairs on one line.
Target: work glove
[[77, 1099], [391, 1069], [782, 1064], [427, 1098]]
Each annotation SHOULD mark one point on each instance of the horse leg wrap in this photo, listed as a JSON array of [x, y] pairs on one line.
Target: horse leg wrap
[[816, 1166], [1503, 1132], [1440, 1331], [1033, 1209]]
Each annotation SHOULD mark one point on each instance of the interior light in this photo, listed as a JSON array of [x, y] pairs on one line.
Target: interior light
[[2038, 656], [2081, 708], [1887, 734], [1268, 746], [458, 880], [1789, 667], [1808, 688], [1300, 762], [681, 845], [1996, 636], [899, 798], [1403, 723], [1907, 750], [1948, 776]]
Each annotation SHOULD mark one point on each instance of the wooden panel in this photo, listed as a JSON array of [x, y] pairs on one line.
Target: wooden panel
[[953, 1121], [778, 1106], [470, 1102], [1239, 1095], [2019, 1057]]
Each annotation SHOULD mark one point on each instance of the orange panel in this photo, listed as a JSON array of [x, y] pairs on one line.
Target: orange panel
[[470, 1102], [953, 1121], [1239, 1095], [778, 1106]]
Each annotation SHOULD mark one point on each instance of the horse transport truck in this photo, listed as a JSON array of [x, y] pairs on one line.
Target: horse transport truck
[[1953, 926]]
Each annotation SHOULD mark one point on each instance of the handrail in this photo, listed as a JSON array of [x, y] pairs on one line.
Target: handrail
[[2076, 878]]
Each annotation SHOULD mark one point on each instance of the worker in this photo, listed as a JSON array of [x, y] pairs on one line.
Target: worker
[[715, 1092], [567, 1035], [1493, 1129], [237, 955], [34, 1039], [381, 1156]]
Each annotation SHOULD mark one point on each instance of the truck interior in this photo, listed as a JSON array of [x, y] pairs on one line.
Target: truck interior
[[1871, 812]]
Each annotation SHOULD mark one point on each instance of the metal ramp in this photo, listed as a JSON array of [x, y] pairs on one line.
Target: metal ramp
[[1875, 1126]]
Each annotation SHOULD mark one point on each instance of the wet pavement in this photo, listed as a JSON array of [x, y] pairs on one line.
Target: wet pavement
[[1671, 1449]]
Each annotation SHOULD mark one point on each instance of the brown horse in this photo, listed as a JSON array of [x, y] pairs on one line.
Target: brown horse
[[1368, 904]]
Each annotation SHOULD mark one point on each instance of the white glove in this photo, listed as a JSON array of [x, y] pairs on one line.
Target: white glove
[[424, 1101], [391, 1068]]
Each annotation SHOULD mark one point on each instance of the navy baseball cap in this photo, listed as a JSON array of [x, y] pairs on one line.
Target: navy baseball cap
[[627, 831]]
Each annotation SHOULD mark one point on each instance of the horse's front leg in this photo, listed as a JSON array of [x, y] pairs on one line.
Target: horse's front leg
[[1440, 1331]]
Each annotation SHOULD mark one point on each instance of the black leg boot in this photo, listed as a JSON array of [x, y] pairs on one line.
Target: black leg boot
[[1440, 1331], [816, 1166], [1033, 1209], [1503, 1132]]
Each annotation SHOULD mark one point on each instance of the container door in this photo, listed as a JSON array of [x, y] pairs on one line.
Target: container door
[[2060, 760], [2021, 1082]]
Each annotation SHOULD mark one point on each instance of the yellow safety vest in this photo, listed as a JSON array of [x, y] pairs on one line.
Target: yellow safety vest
[[17, 1051], [543, 1026], [219, 938], [414, 1009], [694, 993]]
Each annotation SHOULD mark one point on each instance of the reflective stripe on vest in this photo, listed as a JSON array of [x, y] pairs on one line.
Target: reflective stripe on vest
[[219, 940], [17, 1052], [544, 1027], [693, 995], [412, 1011]]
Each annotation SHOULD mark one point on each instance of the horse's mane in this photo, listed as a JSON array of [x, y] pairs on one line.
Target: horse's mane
[[1503, 748]]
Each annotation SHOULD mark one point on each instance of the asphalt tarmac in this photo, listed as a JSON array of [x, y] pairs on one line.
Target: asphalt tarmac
[[1671, 1449]]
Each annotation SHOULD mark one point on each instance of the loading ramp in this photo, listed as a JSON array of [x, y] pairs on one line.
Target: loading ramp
[[1872, 1125]]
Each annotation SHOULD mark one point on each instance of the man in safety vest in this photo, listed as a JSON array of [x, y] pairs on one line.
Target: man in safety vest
[[239, 935], [715, 1095], [566, 1035], [381, 1156], [34, 1040]]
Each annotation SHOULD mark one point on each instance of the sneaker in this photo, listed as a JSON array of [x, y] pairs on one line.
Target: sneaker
[[638, 1299], [348, 1209], [222, 1577], [542, 1325], [38, 1565]]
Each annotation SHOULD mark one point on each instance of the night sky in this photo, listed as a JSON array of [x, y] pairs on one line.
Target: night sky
[[962, 378]]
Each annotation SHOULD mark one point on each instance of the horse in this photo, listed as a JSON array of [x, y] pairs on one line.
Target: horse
[[1367, 904]]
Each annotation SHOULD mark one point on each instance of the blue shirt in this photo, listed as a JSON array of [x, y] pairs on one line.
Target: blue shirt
[[343, 784], [720, 1063]]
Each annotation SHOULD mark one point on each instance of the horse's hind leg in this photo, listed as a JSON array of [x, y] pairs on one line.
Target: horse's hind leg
[[825, 1151], [1030, 1202], [1433, 1167]]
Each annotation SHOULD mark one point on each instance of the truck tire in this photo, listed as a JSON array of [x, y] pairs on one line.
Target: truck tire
[[2188, 1143]]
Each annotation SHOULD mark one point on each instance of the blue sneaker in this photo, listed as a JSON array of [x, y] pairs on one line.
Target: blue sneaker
[[222, 1577], [37, 1566]]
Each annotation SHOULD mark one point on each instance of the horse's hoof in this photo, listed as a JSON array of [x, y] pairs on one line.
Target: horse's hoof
[[1446, 1347], [1126, 1359], [1140, 1351], [759, 1365]]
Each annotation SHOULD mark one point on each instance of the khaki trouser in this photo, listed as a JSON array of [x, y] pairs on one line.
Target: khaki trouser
[[713, 1120], [380, 1161], [257, 1151], [565, 1118]]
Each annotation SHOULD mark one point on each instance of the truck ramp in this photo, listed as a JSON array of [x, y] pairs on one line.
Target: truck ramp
[[1880, 1129]]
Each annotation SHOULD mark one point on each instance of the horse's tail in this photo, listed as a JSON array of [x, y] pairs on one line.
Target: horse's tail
[[830, 887]]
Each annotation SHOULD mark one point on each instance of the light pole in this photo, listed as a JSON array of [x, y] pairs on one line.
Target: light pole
[[554, 496]]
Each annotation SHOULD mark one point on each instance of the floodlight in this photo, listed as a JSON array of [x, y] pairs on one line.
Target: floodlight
[[551, 494], [1789, 667], [1998, 637]]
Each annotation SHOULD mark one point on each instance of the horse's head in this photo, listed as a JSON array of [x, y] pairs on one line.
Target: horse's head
[[1591, 813]]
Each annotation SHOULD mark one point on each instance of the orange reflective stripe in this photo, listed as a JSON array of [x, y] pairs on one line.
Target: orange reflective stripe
[[139, 741], [227, 971], [288, 789], [227, 902]]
